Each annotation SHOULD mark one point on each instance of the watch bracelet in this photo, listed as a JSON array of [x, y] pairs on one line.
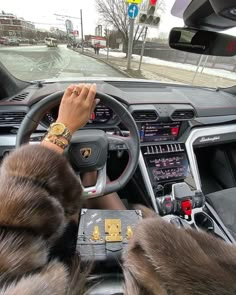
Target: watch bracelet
[[55, 140], [67, 135]]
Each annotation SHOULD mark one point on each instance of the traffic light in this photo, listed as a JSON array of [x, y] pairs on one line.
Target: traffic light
[[142, 18], [147, 15]]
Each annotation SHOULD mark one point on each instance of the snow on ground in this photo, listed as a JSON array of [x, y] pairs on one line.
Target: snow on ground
[[188, 67]]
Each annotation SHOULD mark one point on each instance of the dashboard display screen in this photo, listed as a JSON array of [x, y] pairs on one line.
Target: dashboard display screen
[[170, 167], [154, 132], [101, 114]]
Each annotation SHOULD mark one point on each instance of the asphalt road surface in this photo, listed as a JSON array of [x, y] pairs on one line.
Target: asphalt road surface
[[40, 62]]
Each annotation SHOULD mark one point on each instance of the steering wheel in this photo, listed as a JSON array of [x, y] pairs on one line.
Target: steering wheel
[[88, 149]]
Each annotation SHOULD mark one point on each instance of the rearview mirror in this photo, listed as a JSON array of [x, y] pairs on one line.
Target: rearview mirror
[[202, 42]]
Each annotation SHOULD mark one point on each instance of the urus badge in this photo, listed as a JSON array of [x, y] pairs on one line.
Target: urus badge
[[86, 152]]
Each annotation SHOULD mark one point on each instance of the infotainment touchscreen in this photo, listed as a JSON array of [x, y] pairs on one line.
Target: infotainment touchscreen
[[162, 168], [154, 132]]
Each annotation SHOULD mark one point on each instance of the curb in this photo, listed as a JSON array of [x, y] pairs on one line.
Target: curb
[[106, 62]]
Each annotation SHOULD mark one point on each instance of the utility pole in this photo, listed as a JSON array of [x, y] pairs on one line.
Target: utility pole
[[130, 47], [203, 67], [198, 66], [108, 41], [82, 33], [143, 47]]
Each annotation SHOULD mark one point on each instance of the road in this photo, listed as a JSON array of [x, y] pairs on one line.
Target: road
[[40, 62]]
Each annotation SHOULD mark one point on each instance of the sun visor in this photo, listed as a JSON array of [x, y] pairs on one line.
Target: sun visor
[[210, 14], [179, 7]]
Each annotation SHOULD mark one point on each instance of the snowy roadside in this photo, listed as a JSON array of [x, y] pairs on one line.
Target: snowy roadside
[[155, 61], [116, 63], [165, 71]]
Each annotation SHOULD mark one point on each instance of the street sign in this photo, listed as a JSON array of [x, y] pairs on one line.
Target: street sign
[[135, 1], [132, 11], [69, 25]]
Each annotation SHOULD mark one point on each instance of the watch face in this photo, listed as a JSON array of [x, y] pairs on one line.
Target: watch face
[[57, 129]]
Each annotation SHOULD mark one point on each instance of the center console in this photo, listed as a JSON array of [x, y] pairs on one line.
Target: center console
[[165, 163], [165, 166]]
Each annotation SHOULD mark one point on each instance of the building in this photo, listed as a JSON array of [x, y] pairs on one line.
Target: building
[[98, 31], [11, 25], [94, 41]]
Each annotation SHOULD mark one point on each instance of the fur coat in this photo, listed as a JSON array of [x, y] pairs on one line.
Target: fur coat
[[39, 193]]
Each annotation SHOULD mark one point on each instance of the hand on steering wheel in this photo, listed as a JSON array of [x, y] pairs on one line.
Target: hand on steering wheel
[[77, 105]]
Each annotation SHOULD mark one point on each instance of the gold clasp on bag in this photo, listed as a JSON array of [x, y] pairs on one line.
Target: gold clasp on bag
[[113, 230], [96, 236], [129, 233]]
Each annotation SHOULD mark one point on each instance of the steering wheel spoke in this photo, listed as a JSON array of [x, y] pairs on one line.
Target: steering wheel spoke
[[99, 188], [118, 143]]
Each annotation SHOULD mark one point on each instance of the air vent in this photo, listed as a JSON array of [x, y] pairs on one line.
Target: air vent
[[19, 97], [163, 149], [11, 119], [140, 116], [182, 115]]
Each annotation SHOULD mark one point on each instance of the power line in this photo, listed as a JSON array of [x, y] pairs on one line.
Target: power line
[[49, 24], [68, 16]]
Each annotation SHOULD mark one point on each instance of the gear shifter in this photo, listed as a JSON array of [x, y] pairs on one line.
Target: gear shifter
[[183, 196], [181, 201]]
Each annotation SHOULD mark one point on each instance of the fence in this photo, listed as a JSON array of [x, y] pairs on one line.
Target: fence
[[164, 52]]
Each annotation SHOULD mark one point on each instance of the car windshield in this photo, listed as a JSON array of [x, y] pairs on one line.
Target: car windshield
[[75, 39]]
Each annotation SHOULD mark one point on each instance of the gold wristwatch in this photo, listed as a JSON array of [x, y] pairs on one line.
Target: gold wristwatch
[[59, 130]]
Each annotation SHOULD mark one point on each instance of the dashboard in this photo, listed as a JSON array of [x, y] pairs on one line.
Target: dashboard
[[166, 116]]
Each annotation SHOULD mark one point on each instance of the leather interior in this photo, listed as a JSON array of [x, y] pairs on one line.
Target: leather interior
[[224, 203]]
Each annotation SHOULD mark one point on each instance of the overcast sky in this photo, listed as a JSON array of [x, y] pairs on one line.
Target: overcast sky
[[43, 12]]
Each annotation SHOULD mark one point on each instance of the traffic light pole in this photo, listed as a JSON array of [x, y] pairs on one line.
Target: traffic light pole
[[108, 42], [130, 48], [143, 47], [82, 33]]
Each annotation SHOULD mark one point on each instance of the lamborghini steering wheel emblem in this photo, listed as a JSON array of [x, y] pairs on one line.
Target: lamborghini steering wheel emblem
[[86, 152]]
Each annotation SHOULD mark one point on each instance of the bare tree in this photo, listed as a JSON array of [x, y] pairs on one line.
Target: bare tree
[[114, 12]]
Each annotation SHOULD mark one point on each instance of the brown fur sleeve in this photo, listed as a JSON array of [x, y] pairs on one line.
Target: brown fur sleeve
[[162, 259], [38, 190]]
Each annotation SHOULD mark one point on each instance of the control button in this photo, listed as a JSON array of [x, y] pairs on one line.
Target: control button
[[121, 146], [186, 207], [165, 205], [117, 147], [112, 146], [168, 207], [176, 148], [168, 148], [198, 200], [148, 150]]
